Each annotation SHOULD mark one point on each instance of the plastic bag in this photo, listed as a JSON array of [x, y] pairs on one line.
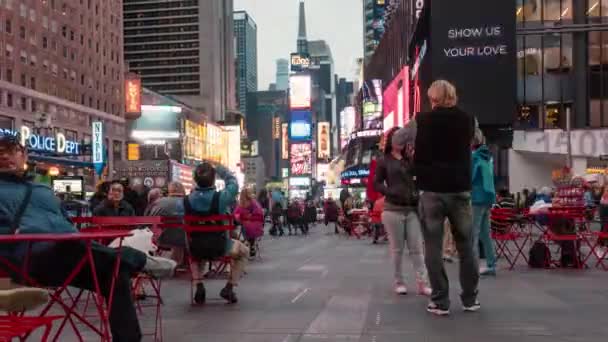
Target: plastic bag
[[140, 240]]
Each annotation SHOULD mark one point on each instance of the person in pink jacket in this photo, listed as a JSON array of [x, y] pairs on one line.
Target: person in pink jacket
[[251, 216]]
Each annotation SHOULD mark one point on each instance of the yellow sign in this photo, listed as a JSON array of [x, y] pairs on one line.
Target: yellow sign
[[323, 147], [284, 142], [133, 152], [206, 141], [276, 128]]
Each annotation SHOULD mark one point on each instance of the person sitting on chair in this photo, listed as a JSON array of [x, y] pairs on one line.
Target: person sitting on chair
[[27, 207], [205, 200]]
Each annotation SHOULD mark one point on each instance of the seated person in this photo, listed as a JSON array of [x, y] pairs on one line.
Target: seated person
[[206, 201], [114, 205], [31, 208]]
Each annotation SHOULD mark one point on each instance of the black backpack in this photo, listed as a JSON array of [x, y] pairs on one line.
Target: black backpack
[[206, 246], [539, 255]]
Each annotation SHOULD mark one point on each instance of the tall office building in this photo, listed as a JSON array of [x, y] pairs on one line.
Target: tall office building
[[282, 76], [61, 68], [246, 34], [184, 48], [373, 25], [302, 41]]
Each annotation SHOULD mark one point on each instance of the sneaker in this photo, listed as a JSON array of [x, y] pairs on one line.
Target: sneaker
[[200, 295], [437, 310], [485, 271], [400, 289], [22, 299], [228, 294], [160, 268], [472, 308], [424, 289]]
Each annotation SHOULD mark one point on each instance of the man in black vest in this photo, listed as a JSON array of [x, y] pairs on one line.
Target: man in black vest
[[442, 162]]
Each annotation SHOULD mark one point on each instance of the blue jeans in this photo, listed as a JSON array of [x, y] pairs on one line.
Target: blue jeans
[[481, 231], [456, 207]]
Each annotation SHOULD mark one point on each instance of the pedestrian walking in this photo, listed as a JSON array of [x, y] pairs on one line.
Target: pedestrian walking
[[395, 180], [443, 169], [483, 197]]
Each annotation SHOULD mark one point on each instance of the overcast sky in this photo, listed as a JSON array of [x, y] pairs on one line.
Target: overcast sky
[[339, 22]]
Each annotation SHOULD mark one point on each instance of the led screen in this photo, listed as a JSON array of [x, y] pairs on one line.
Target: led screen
[[300, 127], [301, 159], [299, 91]]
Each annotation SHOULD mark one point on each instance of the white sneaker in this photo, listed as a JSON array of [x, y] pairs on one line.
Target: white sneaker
[[437, 310], [472, 308], [400, 289], [159, 267], [424, 289]]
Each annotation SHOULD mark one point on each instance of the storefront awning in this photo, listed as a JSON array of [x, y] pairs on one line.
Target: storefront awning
[[60, 161]]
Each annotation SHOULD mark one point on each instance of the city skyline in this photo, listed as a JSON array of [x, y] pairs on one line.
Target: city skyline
[[277, 34]]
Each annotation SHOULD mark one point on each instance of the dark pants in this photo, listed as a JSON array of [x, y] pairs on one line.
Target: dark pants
[[434, 209], [604, 222], [54, 265]]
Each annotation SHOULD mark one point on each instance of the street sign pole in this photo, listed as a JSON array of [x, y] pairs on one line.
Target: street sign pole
[[569, 137]]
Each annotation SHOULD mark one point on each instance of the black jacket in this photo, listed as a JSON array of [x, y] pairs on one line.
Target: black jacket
[[443, 150], [395, 180], [107, 209]]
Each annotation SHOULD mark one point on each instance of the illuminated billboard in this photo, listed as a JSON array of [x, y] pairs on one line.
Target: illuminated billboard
[[322, 171], [300, 128], [397, 107], [323, 142], [205, 141], [284, 141], [132, 96], [300, 62], [299, 91], [372, 104], [347, 124], [301, 159], [276, 128]]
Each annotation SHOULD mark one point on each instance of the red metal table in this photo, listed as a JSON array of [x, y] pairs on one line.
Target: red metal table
[[87, 239]]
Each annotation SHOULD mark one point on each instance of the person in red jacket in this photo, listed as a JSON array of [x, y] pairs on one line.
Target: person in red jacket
[[376, 217]]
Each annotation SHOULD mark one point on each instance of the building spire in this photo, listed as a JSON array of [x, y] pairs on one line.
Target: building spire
[[302, 40]]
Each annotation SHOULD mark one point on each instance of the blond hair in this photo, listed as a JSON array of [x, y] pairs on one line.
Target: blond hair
[[245, 197], [442, 94], [176, 189]]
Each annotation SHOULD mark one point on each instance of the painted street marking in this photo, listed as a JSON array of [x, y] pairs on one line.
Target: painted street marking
[[300, 295]]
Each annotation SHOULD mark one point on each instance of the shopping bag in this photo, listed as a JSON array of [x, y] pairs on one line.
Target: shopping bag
[[140, 240]]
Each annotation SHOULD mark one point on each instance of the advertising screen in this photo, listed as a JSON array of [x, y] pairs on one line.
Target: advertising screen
[[299, 91], [347, 124], [300, 127], [397, 101], [372, 104], [299, 62], [301, 159], [71, 185], [323, 142], [322, 170], [157, 123], [284, 141], [132, 95], [478, 54]]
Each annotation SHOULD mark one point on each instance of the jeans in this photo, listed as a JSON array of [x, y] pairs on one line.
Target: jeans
[[481, 231], [51, 267], [434, 208], [400, 225]]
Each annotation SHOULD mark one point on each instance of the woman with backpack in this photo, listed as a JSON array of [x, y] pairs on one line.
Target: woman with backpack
[[483, 196], [395, 180]]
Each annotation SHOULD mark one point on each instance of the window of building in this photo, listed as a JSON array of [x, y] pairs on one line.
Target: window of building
[[23, 103], [23, 80], [45, 65], [9, 4], [34, 105], [9, 75], [9, 99], [7, 122], [22, 32], [33, 83], [53, 26], [45, 22], [33, 60], [8, 27], [33, 15], [23, 57], [8, 51], [23, 10], [54, 69], [45, 42]]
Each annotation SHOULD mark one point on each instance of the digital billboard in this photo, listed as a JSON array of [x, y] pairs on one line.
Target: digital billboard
[[300, 62], [284, 141], [347, 124], [300, 159], [299, 91], [300, 127], [132, 96], [323, 142], [372, 104], [477, 53], [397, 101]]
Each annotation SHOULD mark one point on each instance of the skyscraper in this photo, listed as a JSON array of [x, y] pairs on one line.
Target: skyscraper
[[373, 22], [245, 32], [282, 77], [302, 42], [184, 48]]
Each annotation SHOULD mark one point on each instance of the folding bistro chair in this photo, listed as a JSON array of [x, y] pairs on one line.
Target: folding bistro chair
[[510, 240], [201, 225], [141, 281], [20, 327], [563, 230]]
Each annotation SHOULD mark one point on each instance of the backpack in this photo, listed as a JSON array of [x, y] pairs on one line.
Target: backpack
[[539, 255], [206, 246]]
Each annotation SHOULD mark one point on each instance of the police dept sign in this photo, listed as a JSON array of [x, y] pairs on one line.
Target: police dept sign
[[39, 143]]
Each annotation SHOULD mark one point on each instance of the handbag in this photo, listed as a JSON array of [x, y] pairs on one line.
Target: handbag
[[140, 240]]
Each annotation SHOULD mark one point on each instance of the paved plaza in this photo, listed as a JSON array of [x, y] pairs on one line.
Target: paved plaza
[[331, 288]]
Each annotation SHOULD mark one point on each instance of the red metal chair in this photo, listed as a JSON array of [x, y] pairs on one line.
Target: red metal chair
[[141, 282], [21, 326], [594, 240], [563, 228], [509, 236], [207, 224]]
